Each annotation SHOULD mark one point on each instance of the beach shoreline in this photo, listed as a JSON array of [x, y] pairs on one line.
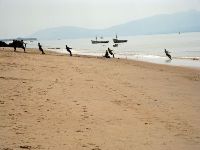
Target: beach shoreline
[[55, 101], [177, 62]]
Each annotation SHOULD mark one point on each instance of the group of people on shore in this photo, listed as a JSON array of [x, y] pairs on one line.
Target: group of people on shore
[[21, 44], [109, 51], [67, 48]]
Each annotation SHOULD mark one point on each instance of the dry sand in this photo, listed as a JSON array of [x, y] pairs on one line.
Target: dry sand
[[59, 102]]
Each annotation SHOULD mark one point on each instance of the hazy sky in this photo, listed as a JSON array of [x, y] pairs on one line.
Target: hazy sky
[[23, 17]]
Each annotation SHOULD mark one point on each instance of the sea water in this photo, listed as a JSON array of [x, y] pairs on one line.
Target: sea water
[[184, 48]]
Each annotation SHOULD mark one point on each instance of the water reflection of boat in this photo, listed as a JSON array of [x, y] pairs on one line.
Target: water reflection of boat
[[119, 41], [98, 41]]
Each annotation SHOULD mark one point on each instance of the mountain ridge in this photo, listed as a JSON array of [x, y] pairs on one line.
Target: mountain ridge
[[159, 24]]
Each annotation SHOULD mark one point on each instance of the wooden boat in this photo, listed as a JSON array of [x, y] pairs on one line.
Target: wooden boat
[[119, 41], [98, 41]]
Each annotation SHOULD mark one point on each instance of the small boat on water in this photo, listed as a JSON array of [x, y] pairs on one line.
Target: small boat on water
[[119, 41], [115, 45], [98, 41]]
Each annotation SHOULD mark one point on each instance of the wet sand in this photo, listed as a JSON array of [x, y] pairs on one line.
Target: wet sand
[[59, 102]]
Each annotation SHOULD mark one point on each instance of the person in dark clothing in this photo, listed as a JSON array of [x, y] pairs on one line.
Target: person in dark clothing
[[111, 52], [14, 45], [40, 48], [68, 49], [167, 54], [17, 44], [107, 54]]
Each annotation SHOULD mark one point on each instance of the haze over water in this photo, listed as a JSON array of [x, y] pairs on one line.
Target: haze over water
[[184, 47]]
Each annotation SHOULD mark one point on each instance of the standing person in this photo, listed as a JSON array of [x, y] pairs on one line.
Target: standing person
[[111, 52], [23, 45], [167, 54], [40, 48], [68, 49], [14, 45]]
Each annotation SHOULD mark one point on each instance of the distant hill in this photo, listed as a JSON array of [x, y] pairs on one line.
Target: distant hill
[[24, 39], [63, 33], [160, 24]]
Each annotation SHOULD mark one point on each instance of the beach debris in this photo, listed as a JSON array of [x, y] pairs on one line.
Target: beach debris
[[25, 147], [30, 147]]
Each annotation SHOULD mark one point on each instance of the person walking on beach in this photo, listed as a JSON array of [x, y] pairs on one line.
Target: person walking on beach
[[40, 48], [111, 52], [167, 54], [68, 49]]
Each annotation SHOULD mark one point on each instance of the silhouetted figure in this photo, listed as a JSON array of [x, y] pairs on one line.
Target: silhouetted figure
[[40, 48], [111, 52], [107, 54], [14, 45], [167, 54], [17, 44], [23, 45], [68, 49], [3, 44]]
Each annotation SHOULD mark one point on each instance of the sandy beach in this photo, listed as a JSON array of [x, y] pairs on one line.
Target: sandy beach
[[58, 102]]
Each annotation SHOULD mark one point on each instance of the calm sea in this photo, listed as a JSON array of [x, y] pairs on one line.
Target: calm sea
[[184, 48]]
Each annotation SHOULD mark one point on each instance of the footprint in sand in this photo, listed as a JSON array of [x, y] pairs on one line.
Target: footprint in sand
[[79, 131], [7, 149], [95, 147], [84, 145], [2, 102]]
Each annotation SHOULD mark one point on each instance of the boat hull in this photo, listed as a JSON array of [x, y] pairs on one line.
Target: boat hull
[[119, 41], [97, 42]]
